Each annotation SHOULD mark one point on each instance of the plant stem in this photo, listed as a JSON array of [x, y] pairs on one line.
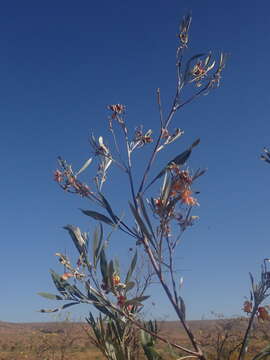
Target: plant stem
[[174, 304], [243, 349]]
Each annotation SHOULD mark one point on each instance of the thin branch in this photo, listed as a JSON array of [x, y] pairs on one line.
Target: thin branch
[[160, 107]]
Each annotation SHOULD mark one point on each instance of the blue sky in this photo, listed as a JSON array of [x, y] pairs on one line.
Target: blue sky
[[61, 64]]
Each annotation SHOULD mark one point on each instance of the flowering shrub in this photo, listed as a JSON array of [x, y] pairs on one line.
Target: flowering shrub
[[156, 224]]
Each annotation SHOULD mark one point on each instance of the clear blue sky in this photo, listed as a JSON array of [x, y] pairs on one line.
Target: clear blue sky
[[61, 63]]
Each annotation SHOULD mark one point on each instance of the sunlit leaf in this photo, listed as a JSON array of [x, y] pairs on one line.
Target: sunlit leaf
[[77, 238], [84, 167]]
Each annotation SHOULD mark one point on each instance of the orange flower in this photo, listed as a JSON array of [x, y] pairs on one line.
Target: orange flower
[[116, 280], [66, 276], [247, 307], [262, 313], [187, 199]]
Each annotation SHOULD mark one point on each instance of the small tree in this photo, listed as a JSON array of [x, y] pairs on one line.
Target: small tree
[[119, 331]]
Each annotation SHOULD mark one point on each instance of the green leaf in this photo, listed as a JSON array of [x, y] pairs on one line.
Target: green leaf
[[136, 300], [148, 341], [129, 286], [140, 223], [116, 265], [151, 353], [59, 283], [60, 308], [105, 311], [182, 308], [70, 292], [109, 209], [97, 244], [145, 215], [104, 266], [131, 268], [50, 296], [178, 160], [110, 273], [263, 354], [166, 188], [77, 238], [97, 216]]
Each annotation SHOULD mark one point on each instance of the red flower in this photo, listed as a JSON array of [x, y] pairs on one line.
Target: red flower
[[121, 300], [187, 199], [130, 308], [58, 176], [117, 108], [262, 313], [198, 70]]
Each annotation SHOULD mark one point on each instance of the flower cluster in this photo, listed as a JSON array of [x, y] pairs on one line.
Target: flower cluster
[[70, 183], [198, 70], [143, 139], [117, 288], [73, 273], [117, 109], [262, 312], [179, 192], [181, 186], [140, 139]]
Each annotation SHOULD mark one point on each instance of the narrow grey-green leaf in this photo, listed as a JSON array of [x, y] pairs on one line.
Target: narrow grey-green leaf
[[77, 238], [95, 246], [110, 273], [59, 283], [145, 215], [97, 216], [129, 286], [136, 300], [50, 296], [131, 267], [58, 309], [140, 222], [178, 160], [109, 209], [103, 266], [182, 307]]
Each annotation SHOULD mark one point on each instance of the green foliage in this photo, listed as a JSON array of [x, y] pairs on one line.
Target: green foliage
[[148, 341]]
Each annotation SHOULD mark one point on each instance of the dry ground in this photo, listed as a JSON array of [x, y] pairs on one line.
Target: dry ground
[[66, 341]]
